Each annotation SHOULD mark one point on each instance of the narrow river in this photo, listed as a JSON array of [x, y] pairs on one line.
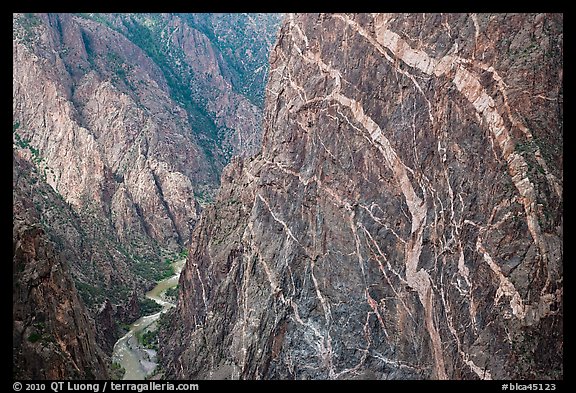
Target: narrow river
[[138, 361]]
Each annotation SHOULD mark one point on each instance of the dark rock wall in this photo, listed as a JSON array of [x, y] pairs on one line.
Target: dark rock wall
[[53, 336], [404, 218]]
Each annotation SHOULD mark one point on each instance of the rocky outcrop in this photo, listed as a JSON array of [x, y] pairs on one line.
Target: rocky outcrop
[[233, 79], [106, 150], [107, 319], [53, 336], [404, 217], [102, 270], [107, 333]]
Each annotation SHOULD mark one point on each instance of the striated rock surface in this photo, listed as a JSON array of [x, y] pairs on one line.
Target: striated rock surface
[[404, 217], [53, 336], [106, 152], [99, 265]]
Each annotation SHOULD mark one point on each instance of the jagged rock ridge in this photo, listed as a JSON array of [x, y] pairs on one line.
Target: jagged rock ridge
[[129, 118], [122, 112], [404, 218]]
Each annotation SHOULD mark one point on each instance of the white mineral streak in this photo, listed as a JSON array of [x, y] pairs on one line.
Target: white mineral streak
[[204, 300], [481, 373], [469, 85], [418, 280], [505, 287], [393, 48], [322, 342]]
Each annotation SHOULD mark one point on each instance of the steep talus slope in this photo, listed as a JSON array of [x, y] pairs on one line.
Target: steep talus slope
[[404, 218], [114, 110], [53, 334]]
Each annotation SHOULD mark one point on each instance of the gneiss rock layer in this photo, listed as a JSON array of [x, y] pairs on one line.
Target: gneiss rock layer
[[404, 217]]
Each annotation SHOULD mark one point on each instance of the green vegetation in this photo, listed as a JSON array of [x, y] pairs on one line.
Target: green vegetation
[[24, 143], [144, 37], [233, 202], [97, 18], [203, 198], [164, 321], [526, 147], [149, 339], [94, 296], [125, 327], [233, 34], [89, 49], [39, 333], [117, 371], [34, 337], [151, 270], [167, 270], [121, 70], [148, 306], [172, 293], [90, 294], [156, 374], [21, 142], [28, 22], [158, 271], [184, 87], [117, 64], [40, 325], [527, 150]]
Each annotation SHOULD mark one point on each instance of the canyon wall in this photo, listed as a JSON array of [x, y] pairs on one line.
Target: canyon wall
[[53, 335], [128, 119], [120, 113], [404, 217]]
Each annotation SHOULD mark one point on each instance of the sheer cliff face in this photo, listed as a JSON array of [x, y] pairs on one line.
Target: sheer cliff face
[[53, 335], [131, 119], [134, 115], [404, 219], [109, 148]]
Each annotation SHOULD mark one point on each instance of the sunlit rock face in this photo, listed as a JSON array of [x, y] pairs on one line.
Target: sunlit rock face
[[119, 112], [135, 115], [404, 218]]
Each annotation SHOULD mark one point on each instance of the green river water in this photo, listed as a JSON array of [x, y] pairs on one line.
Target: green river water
[[138, 361]]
